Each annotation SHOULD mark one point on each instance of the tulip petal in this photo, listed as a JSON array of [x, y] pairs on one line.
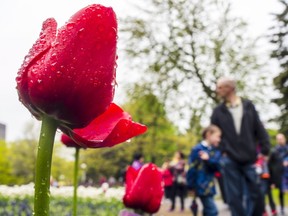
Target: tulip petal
[[114, 126], [148, 183], [36, 53], [73, 80], [66, 140], [130, 177]]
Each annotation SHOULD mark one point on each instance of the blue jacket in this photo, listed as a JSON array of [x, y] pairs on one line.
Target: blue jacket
[[200, 176]]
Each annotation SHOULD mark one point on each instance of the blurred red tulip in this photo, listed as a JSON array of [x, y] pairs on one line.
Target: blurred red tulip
[[69, 73], [144, 188]]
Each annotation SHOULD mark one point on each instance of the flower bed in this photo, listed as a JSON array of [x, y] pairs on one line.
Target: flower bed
[[18, 200]]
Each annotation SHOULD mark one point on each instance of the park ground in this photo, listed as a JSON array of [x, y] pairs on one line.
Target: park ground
[[222, 208]]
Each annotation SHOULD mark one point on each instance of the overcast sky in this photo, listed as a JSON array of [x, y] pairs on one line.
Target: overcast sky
[[20, 24]]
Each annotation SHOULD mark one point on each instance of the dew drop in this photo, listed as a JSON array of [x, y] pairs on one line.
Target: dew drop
[[81, 33], [70, 26]]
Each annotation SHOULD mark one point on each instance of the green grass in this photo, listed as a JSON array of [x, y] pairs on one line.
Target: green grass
[[275, 194]]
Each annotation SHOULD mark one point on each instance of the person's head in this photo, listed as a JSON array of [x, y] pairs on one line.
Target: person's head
[[178, 155], [281, 139], [212, 135], [165, 165], [138, 157], [225, 87]]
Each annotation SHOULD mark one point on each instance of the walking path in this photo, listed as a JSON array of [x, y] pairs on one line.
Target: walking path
[[222, 208]]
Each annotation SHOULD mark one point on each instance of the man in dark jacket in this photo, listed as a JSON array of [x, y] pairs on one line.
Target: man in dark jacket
[[242, 131]]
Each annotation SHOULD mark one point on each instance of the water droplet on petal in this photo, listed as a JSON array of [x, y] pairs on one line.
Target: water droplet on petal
[[81, 32], [70, 26]]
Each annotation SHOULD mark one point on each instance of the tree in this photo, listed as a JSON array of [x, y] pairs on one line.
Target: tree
[[6, 176], [62, 169], [23, 155], [279, 39], [22, 158], [182, 47], [145, 107]]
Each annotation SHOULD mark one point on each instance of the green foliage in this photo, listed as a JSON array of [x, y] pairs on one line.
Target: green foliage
[[279, 38], [6, 176], [106, 162], [22, 158], [272, 135], [62, 169]]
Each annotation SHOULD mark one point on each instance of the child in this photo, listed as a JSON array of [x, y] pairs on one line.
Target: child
[[167, 177], [204, 161], [177, 167]]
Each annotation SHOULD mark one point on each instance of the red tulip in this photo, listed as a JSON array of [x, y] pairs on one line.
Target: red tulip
[[67, 80], [114, 126], [69, 73], [144, 190]]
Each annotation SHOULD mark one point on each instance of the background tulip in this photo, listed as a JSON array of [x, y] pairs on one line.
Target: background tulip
[[148, 183]]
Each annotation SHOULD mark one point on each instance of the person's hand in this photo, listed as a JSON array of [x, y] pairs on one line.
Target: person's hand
[[204, 155], [285, 163], [265, 157]]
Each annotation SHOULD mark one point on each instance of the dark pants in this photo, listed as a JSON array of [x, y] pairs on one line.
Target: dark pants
[[270, 198], [265, 189], [221, 187], [209, 207], [180, 190], [271, 201], [236, 178]]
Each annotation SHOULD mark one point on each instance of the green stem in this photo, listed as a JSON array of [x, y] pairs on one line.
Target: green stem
[[43, 166], [75, 181]]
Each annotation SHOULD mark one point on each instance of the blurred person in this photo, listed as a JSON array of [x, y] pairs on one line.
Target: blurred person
[[179, 179], [167, 177], [241, 130], [276, 168], [204, 162], [262, 170], [138, 161]]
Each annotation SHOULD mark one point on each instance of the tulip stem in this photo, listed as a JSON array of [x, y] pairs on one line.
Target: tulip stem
[[75, 181], [43, 166]]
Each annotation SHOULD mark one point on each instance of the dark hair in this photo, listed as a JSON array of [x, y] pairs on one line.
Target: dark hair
[[210, 129], [181, 154], [137, 156]]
